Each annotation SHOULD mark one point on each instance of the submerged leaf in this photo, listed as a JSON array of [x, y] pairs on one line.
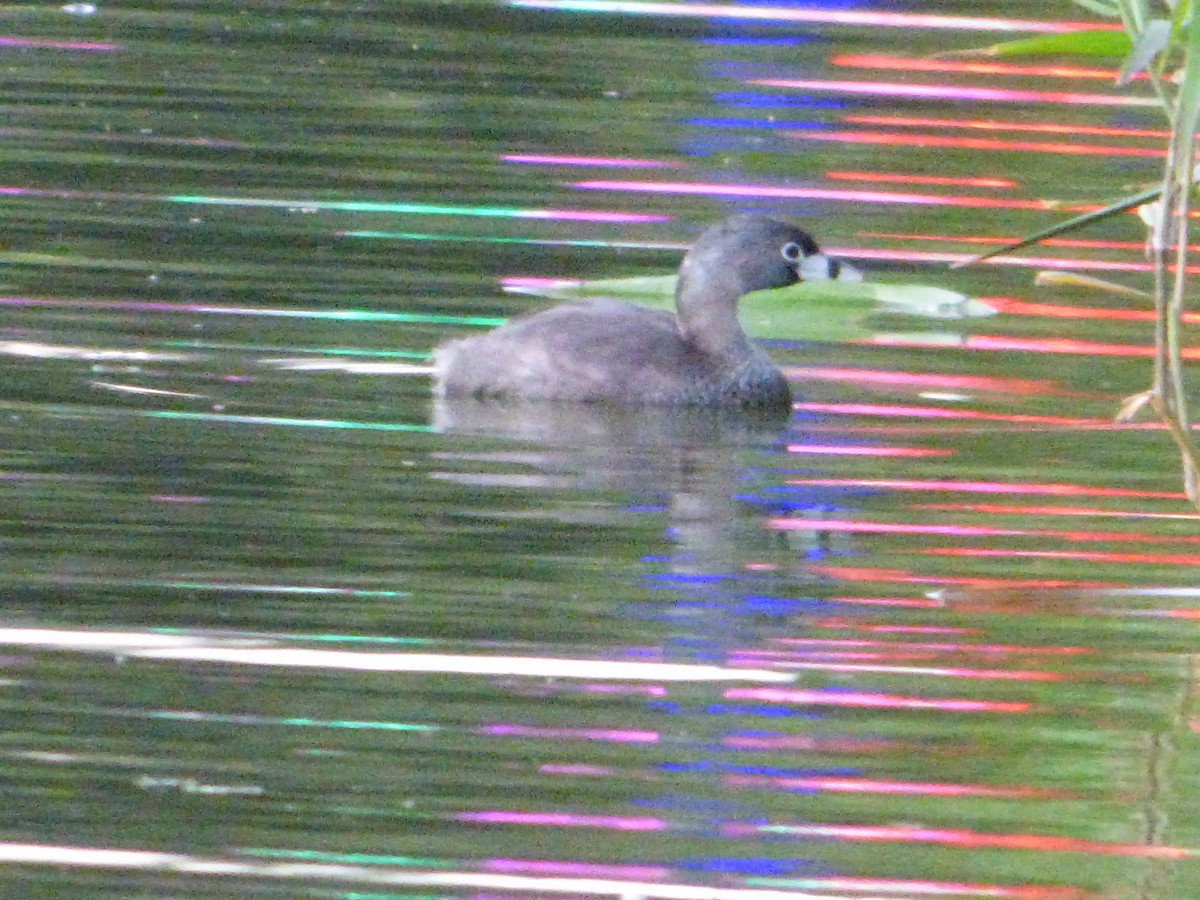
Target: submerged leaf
[[1060, 277], [809, 310], [1089, 42]]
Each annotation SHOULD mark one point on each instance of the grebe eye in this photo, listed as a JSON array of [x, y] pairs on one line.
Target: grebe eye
[[793, 253]]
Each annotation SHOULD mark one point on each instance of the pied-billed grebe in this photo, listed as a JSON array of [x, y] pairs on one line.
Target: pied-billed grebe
[[605, 350]]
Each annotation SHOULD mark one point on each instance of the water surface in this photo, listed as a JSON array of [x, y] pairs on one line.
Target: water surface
[[275, 624]]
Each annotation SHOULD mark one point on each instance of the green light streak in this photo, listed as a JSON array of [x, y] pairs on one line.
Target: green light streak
[[173, 715], [278, 589], [331, 638], [280, 420], [472, 239], [356, 858], [423, 209], [347, 315]]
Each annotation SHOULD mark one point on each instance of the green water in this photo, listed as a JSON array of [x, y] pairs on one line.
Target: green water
[[948, 608]]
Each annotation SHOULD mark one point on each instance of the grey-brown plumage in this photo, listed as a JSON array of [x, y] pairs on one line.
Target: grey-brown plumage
[[605, 350]]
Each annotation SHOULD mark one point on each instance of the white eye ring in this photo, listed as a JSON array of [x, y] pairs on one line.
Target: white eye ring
[[792, 252]]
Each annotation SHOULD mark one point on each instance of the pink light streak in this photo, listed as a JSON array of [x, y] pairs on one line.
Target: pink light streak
[[1052, 489], [600, 161], [764, 190], [814, 16], [864, 699], [894, 668], [562, 820], [1025, 386], [904, 139], [578, 869], [1039, 345], [937, 412], [587, 734], [949, 92], [807, 744], [836, 450], [45, 44], [578, 769]]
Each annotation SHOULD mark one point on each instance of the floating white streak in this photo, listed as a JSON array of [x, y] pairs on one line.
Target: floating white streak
[[535, 667], [55, 351], [236, 652], [154, 392], [102, 641], [346, 365], [181, 864]]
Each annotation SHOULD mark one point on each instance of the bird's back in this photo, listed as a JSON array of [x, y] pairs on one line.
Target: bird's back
[[603, 350]]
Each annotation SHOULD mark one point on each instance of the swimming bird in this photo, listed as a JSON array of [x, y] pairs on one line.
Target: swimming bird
[[604, 350]]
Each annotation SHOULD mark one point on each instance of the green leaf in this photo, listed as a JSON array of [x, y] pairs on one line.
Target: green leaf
[[1089, 42], [810, 310], [1189, 91], [1151, 41]]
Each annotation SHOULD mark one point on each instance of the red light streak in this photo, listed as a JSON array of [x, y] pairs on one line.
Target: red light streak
[[871, 786], [968, 67], [935, 412], [992, 125], [903, 576], [1090, 511], [1165, 559], [964, 838], [859, 527], [990, 487], [859, 699], [882, 177], [835, 450], [764, 190], [1039, 345], [978, 239], [896, 661], [902, 139], [1013, 306], [949, 92], [1035, 387], [1037, 262], [912, 645], [902, 602]]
